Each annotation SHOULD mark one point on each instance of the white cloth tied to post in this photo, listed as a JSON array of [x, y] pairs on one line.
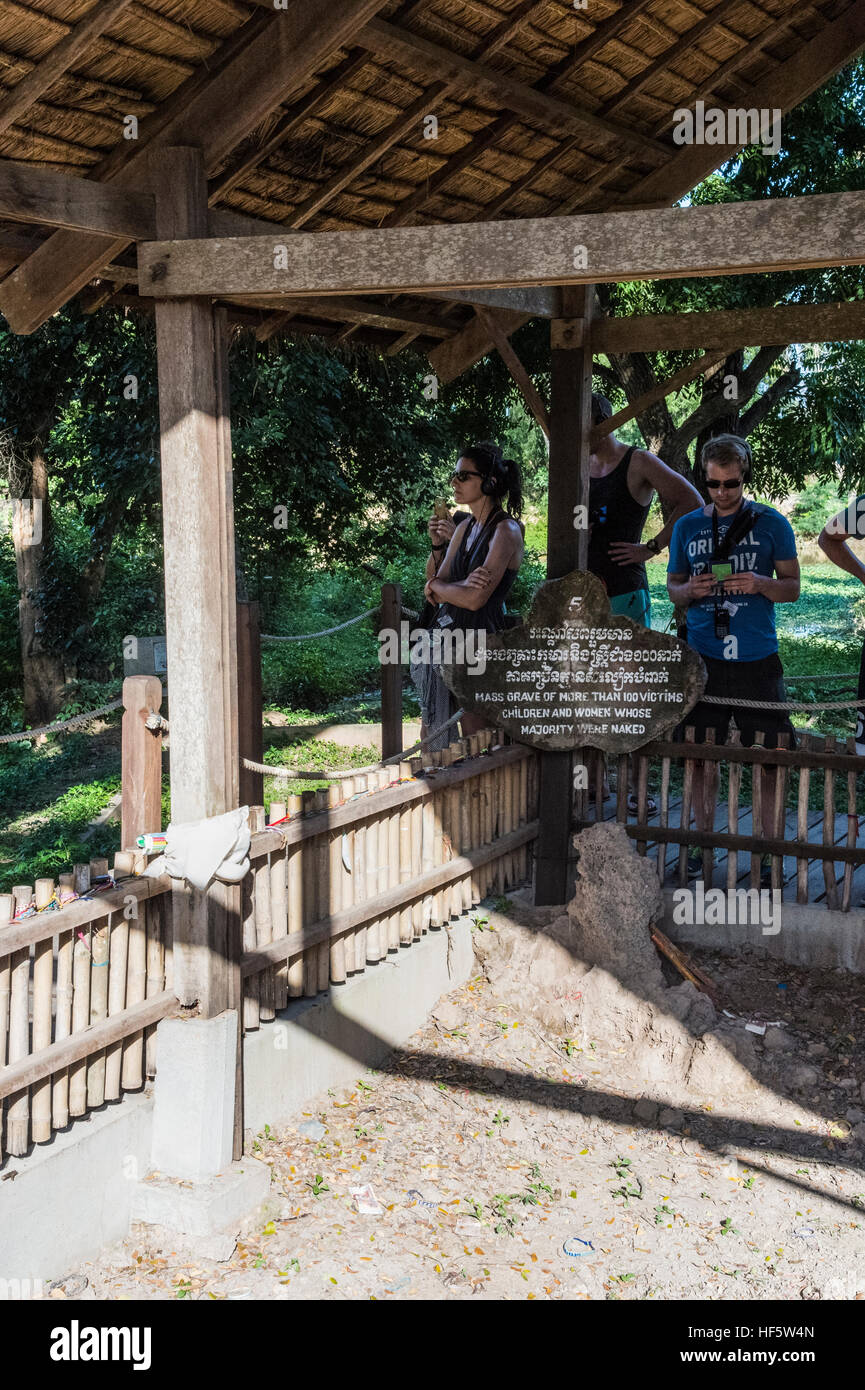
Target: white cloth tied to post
[[206, 849]]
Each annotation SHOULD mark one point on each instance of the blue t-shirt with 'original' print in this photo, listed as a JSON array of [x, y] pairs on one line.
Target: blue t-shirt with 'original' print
[[752, 616]]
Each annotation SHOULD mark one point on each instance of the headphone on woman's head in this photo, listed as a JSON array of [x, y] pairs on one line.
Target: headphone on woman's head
[[494, 483]]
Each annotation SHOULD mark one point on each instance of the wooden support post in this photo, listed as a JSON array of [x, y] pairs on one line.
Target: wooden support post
[[141, 775], [567, 549], [250, 701], [200, 608], [391, 675]]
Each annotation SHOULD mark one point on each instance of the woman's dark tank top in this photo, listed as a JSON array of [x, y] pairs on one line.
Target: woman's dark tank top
[[615, 516], [491, 615]]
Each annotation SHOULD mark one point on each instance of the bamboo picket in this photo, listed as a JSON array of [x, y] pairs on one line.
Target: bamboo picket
[[67, 983]]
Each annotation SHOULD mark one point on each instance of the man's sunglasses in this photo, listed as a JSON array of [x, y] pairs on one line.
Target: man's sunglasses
[[460, 476], [720, 482]]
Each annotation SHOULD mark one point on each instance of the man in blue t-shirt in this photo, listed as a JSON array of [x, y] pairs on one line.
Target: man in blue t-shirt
[[730, 563]]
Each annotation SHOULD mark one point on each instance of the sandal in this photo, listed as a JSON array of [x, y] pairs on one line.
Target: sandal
[[651, 804]]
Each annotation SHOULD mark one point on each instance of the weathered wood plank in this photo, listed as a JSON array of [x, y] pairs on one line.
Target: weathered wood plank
[[668, 243], [28, 194], [731, 328]]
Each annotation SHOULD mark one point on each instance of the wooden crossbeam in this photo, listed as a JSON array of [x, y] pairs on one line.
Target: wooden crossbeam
[[389, 41], [353, 310], [529, 392], [733, 328], [657, 393], [541, 302], [282, 53], [28, 194], [716, 239], [59, 60]]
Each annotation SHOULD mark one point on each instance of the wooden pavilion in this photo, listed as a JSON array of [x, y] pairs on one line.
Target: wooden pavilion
[[434, 172]]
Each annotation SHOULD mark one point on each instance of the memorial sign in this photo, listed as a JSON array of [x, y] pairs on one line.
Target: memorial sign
[[575, 675]]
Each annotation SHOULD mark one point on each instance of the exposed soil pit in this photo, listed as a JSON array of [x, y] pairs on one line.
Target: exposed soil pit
[[521, 1146]]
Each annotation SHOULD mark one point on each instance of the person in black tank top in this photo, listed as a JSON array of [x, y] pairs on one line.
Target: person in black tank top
[[479, 568], [623, 483]]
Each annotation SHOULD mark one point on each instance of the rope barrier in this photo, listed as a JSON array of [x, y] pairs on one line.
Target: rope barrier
[[270, 770], [796, 706], [328, 631], [63, 725]]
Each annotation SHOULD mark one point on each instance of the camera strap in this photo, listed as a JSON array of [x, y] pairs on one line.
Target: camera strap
[[743, 522]]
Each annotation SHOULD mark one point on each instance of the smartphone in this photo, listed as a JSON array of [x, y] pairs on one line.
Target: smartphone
[[720, 572], [441, 509]]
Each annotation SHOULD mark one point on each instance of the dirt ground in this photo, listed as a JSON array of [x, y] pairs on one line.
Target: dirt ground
[[511, 1164]]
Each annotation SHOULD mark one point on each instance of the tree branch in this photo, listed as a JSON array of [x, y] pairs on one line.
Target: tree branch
[[715, 405], [769, 399]]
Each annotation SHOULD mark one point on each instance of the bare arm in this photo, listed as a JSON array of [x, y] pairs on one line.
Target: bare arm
[[674, 491], [473, 592], [833, 542]]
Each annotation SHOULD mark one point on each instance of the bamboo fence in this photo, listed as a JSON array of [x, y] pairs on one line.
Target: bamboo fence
[[85, 976]]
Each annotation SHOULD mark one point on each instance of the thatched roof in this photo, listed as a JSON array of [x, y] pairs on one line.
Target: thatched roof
[[569, 109]]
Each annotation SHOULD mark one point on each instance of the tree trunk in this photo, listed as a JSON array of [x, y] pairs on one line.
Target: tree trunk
[[42, 664]]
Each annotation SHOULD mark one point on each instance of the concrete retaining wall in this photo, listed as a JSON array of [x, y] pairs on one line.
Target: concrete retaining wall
[[806, 935], [72, 1196], [329, 1041]]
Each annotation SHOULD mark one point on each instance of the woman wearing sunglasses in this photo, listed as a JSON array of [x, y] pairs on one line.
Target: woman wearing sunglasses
[[477, 568]]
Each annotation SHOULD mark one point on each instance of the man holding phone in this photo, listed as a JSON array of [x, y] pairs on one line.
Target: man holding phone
[[730, 563]]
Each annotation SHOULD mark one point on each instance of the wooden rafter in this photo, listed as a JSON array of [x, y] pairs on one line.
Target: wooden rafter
[[280, 56], [685, 44], [59, 60], [403, 123], [302, 111], [813, 64], [486, 139], [704, 363], [529, 392], [669, 243], [419, 53]]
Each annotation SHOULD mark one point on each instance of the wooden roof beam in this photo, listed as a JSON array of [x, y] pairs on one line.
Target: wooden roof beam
[[281, 55], [59, 60], [397, 45], [526, 387], [30, 194], [350, 310], [668, 243], [732, 328]]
